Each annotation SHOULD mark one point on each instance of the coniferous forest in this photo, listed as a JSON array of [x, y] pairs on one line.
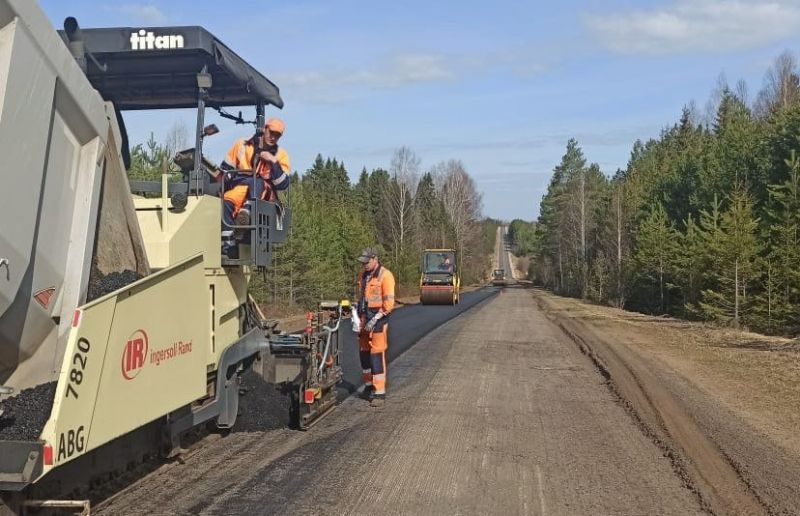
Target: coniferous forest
[[399, 211], [703, 222]]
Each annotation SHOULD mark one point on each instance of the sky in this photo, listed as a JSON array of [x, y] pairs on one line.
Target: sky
[[499, 85]]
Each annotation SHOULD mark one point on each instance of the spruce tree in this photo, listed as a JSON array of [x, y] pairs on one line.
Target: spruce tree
[[655, 248], [735, 262]]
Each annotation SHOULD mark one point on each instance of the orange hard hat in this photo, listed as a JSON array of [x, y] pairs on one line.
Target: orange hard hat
[[275, 125]]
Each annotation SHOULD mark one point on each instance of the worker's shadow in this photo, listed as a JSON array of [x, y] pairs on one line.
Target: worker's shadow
[[345, 389]]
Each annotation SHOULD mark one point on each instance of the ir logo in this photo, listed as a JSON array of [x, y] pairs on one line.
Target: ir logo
[[134, 355]]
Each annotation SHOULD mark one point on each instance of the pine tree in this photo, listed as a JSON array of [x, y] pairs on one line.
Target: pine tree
[[377, 187], [147, 160], [557, 253]]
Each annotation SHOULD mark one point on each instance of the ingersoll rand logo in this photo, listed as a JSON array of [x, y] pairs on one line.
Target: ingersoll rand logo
[[135, 353], [147, 40]]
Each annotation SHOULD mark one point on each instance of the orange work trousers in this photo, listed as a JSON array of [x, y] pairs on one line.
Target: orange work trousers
[[239, 194], [372, 352]]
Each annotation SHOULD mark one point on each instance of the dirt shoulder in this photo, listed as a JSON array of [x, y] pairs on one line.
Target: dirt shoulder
[[724, 403]]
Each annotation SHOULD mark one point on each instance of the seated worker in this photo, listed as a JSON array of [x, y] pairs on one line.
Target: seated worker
[[446, 265], [272, 166]]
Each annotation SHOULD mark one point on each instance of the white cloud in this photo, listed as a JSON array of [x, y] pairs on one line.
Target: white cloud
[[711, 26], [530, 69], [405, 69], [520, 62], [402, 69], [414, 68], [147, 13]]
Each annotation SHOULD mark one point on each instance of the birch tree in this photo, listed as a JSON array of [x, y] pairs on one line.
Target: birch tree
[[617, 240], [781, 86], [398, 204], [462, 202], [177, 138]]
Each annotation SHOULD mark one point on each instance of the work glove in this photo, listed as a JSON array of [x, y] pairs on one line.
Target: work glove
[[372, 322], [268, 157]]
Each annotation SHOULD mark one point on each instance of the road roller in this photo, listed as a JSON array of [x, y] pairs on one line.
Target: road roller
[[440, 281], [499, 278]]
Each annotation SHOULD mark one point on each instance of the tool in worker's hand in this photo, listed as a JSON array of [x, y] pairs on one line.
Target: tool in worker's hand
[[372, 322]]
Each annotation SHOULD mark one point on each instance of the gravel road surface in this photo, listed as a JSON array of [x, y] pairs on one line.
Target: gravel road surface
[[494, 412]]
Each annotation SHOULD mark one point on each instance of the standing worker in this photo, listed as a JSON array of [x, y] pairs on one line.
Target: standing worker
[[272, 165], [375, 303]]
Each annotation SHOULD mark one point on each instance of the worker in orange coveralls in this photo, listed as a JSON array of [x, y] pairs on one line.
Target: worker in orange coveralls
[[273, 167], [375, 302]]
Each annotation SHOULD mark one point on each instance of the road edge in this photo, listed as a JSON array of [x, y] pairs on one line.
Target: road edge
[[696, 458]]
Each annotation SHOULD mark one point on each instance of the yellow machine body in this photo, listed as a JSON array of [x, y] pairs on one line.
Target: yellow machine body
[[132, 356], [499, 278], [440, 281], [145, 350], [168, 346]]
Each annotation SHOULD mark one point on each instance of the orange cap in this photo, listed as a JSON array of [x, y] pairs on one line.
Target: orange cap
[[275, 125]]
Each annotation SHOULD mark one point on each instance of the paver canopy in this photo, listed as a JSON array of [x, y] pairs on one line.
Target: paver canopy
[[156, 68]]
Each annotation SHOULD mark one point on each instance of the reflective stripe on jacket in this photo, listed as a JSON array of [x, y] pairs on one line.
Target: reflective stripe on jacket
[[378, 293], [240, 157]]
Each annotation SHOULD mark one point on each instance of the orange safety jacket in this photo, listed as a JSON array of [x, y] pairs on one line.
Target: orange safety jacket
[[377, 295], [241, 157]]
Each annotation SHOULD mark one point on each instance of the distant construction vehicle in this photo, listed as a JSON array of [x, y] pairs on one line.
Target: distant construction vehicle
[[499, 278], [440, 282], [118, 312]]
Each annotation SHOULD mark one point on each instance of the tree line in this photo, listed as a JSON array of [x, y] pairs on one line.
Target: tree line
[[702, 223], [399, 211], [523, 237]]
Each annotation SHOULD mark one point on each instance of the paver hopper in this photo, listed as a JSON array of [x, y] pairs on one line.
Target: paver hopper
[[118, 312]]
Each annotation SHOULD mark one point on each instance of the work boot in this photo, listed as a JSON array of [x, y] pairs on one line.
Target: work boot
[[242, 219], [230, 249], [378, 400], [367, 393]]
